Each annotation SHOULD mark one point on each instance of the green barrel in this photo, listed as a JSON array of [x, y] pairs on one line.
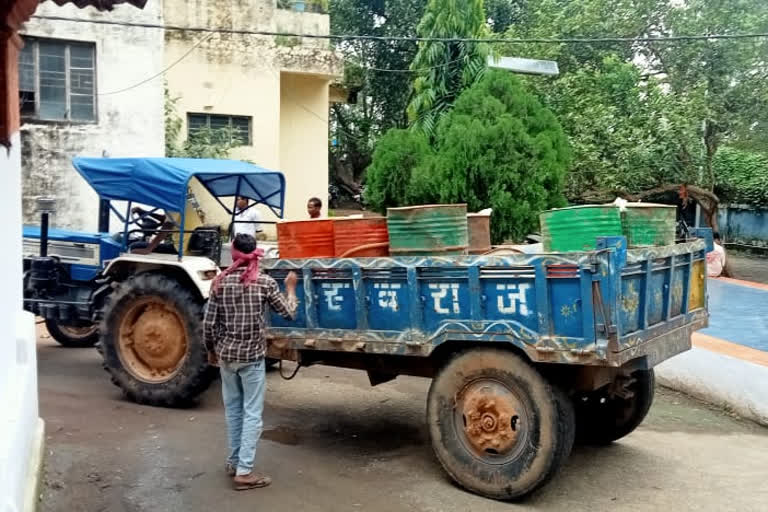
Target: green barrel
[[647, 224], [428, 230], [577, 228]]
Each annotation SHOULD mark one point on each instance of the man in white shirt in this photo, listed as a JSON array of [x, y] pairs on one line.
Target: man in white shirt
[[716, 258], [245, 219]]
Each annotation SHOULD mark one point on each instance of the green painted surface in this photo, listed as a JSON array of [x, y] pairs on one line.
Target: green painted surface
[[649, 225], [428, 230], [577, 228]]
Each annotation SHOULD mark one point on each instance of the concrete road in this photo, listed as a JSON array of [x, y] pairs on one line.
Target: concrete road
[[332, 443]]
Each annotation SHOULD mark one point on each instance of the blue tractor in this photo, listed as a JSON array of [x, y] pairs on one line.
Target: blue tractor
[[140, 292]]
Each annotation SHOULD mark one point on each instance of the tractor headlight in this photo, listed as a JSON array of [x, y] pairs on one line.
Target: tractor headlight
[[207, 275]]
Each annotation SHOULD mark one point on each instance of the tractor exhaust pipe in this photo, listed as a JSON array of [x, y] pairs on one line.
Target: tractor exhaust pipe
[[46, 206], [103, 215]]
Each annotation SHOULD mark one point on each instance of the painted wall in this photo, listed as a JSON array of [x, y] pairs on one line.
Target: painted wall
[[743, 225], [130, 122], [243, 75], [19, 431], [304, 141]]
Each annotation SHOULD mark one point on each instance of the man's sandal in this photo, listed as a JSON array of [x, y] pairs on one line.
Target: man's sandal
[[251, 481]]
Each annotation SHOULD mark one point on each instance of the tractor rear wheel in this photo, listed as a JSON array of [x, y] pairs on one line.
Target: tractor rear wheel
[[73, 337], [151, 341]]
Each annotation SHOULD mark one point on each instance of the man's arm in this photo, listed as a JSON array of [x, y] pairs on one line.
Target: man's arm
[[210, 331], [284, 305], [159, 217], [157, 239]]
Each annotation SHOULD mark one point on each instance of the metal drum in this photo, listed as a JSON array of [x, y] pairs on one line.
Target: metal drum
[[428, 230], [360, 237]]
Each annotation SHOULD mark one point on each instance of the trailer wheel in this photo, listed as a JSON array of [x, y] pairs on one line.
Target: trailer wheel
[[152, 341], [497, 426], [604, 416], [73, 337]]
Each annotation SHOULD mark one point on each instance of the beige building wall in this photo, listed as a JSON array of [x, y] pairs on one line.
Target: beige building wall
[[274, 81], [304, 140]]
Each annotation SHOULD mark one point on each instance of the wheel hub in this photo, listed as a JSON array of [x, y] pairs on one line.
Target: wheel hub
[[153, 340], [491, 420]]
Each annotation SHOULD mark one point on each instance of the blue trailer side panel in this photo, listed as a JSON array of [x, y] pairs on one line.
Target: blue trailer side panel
[[595, 307]]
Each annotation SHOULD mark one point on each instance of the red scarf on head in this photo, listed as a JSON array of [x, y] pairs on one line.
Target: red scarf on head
[[239, 259]]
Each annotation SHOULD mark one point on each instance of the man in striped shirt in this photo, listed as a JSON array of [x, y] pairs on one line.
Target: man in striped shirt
[[234, 335]]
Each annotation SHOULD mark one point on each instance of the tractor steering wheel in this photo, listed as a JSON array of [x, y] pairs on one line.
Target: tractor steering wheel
[[143, 219]]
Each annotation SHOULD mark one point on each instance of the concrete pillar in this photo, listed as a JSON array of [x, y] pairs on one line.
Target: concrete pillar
[[21, 432]]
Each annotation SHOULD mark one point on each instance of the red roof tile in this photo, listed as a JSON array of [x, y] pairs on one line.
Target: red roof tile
[[102, 5]]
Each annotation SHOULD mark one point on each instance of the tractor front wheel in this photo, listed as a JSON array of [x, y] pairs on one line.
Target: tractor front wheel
[[73, 337], [151, 341]]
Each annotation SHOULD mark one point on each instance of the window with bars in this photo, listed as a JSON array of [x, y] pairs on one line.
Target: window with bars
[[239, 126], [57, 80]]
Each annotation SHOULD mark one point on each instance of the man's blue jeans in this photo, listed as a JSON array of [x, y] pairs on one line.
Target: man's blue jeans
[[242, 388]]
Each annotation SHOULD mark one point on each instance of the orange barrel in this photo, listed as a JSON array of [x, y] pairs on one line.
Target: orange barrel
[[305, 239], [360, 237]]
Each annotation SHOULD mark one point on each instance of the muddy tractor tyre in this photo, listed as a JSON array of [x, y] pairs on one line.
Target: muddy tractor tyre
[[73, 337], [496, 425], [602, 418], [151, 341]]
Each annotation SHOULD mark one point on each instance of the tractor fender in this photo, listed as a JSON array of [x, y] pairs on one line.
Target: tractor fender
[[195, 272]]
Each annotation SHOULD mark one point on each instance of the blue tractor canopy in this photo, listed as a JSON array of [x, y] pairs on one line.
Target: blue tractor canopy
[[163, 183]]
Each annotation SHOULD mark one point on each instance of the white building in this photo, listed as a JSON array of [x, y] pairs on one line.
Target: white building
[[87, 90]]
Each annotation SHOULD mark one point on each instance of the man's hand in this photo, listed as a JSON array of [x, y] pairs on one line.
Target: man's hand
[[213, 359], [290, 283]]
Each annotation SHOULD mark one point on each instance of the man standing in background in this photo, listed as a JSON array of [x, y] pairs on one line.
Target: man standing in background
[[314, 208], [716, 258], [246, 219]]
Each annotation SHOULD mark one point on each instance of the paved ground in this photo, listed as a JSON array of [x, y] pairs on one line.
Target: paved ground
[[335, 444], [738, 313]]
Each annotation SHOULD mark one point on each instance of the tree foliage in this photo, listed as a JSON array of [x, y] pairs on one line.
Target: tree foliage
[[655, 112], [398, 154], [502, 14], [376, 77], [719, 88], [617, 124], [444, 69], [498, 148], [742, 176]]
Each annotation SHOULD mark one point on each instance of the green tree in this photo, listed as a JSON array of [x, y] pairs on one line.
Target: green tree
[[500, 148], [376, 76], [398, 153], [718, 88], [692, 97], [501, 14], [444, 69], [742, 176], [583, 19], [617, 123]]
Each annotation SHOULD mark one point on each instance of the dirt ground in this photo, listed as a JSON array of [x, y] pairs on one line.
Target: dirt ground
[[333, 443], [746, 266]]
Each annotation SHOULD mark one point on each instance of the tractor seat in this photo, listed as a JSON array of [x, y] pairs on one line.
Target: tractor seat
[[205, 241]]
